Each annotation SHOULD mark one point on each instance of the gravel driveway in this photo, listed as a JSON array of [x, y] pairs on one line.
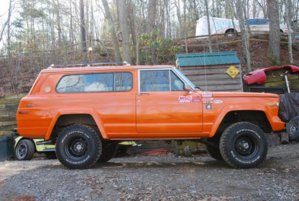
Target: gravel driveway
[[154, 178]]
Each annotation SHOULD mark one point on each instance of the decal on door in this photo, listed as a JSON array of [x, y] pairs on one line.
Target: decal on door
[[188, 99], [218, 101], [207, 94]]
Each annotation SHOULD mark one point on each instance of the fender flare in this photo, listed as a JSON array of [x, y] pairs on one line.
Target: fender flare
[[83, 111], [228, 109]]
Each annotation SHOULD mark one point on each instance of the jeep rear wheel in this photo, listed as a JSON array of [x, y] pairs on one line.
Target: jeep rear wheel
[[78, 147], [243, 145]]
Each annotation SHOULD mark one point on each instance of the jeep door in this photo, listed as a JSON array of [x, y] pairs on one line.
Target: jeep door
[[164, 108]]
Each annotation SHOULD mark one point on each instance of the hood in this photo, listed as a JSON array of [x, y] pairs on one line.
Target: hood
[[239, 94]]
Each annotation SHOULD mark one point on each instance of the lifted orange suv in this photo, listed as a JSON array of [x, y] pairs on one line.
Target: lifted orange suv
[[86, 111]]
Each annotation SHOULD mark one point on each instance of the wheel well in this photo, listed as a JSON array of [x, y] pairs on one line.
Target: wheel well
[[258, 118], [230, 30], [67, 120]]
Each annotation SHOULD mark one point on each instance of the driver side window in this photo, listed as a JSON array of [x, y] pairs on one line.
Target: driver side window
[[160, 80]]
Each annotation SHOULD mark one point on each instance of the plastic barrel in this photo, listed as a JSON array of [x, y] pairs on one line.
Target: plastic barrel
[[6, 148]]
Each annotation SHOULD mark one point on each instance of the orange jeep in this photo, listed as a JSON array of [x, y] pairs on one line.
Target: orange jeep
[[86, 111]]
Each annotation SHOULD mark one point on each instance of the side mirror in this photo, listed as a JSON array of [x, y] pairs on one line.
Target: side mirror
[[188, 89]]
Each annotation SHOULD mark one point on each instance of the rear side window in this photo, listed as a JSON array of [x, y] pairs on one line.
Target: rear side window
[[98, 82]]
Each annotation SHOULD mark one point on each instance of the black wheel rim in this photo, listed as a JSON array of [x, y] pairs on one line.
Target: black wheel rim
[[294, 128], [21, 151], [246, 145], [76, 147]]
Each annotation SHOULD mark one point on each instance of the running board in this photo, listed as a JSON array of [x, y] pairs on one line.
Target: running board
[[48, 142]]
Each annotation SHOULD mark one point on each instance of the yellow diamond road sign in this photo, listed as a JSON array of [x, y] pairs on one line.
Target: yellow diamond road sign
[[232, 71]]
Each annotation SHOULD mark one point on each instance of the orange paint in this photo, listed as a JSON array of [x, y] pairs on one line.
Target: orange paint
[[133, 114]]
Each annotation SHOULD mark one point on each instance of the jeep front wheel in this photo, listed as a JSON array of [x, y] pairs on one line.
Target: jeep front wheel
[[243, 145], [78, 147]]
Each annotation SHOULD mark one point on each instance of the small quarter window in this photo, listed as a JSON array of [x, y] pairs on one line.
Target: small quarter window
[[98, 82], [176, 83], [123, 81]]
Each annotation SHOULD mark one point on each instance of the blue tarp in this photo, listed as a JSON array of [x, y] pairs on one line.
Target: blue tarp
[[257, 21]]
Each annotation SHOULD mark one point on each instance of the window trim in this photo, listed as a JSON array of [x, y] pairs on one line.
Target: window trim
[[171, 69], [179, 79], [113, 91]]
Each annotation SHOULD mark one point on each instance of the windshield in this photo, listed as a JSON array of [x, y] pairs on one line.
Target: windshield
[[186, 79]]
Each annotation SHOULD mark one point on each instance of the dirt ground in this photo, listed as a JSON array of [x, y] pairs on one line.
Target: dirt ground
[[154, 178]]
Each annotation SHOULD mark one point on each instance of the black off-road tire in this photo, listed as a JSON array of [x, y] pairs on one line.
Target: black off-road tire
[[293, 129], [109, 151], [78, 147], [214, 152], [243, 145], [24, 150]]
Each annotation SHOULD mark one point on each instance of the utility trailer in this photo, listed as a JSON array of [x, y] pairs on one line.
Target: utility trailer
[[225, 26]]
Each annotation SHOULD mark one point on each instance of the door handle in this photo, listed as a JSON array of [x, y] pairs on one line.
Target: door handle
[[144, 94]]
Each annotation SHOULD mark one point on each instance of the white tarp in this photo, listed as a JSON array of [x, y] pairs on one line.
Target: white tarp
[[217, 26]]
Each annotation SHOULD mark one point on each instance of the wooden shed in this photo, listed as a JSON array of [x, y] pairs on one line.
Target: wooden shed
[[216, 71]]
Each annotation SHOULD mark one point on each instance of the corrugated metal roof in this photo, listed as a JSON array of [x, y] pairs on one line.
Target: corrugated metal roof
[[207, 59]]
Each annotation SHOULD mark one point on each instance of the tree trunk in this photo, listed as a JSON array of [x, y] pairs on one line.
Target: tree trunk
[[264, 7], [185, 25], [58, 20], [8, 28], [124, 27], [274, 34], [132, 24], [92, 26], [228, 9], [209, 25], [71, 31], [151, 28], [244, 34], [178, 11], [83, 31], [117, 56], [288, 7], [7, 23]]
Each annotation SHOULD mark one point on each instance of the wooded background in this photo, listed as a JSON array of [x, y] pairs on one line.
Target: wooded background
[[37, 33]]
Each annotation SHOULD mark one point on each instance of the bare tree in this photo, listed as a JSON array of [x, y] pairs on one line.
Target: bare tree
[[124, 27], [132, 24], [209, 25], [177, 4], [288, 7], [83, 30], [117, 56], [228, 9], [274, 34], [263, 5], [151, 27], [244, 34], [9, 28]]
